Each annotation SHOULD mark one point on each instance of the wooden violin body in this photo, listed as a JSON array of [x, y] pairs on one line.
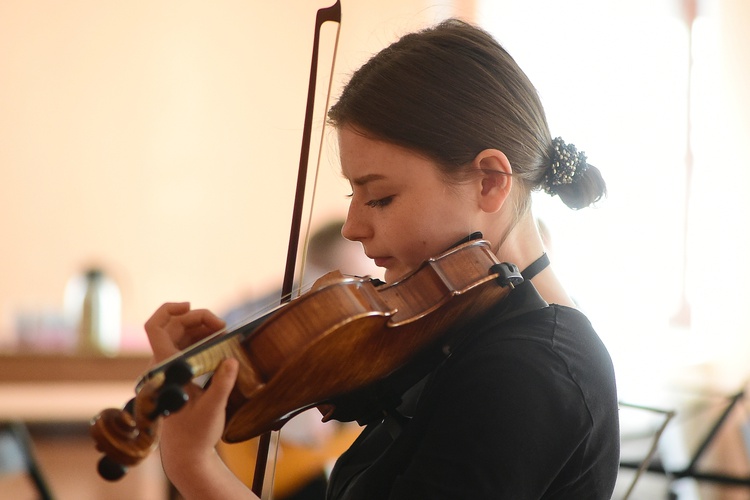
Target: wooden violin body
[[342, 336]]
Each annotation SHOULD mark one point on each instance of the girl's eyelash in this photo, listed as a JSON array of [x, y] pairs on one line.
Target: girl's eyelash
[[382, 202]]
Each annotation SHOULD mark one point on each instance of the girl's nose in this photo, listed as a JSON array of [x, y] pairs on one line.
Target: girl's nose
[[355, 228]]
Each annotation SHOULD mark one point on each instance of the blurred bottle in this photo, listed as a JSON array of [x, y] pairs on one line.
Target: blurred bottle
[[93, 301]]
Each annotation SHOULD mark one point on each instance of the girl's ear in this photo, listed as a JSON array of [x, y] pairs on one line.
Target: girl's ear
[[495, 177]]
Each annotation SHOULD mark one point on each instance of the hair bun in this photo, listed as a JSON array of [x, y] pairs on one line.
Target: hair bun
[[570, 177]]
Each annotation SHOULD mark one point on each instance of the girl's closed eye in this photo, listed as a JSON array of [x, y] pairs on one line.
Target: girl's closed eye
[[380, 202]]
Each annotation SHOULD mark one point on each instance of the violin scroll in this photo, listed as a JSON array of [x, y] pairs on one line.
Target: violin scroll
[[127, 436]]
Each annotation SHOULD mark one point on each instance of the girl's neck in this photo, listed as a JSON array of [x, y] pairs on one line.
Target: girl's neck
[[524, 245]]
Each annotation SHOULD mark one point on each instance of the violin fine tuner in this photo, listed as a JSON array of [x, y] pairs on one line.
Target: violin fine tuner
[[507, 274]]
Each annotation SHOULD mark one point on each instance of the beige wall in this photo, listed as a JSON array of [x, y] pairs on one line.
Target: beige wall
[[160, 139]]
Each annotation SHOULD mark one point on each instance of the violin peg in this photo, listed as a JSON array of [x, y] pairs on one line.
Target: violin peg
[[171, 398], [130, 407], [178, 372], [110, 470]]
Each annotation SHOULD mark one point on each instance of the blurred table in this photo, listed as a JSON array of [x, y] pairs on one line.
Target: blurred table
[[57, 395], [65, 388]]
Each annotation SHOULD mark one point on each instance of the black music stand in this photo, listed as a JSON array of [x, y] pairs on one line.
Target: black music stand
[[691, 470], [17, 454]]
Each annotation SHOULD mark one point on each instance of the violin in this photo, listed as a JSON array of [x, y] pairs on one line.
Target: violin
[[343, 336]]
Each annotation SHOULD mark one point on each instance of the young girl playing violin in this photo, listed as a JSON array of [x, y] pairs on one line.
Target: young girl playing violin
[[442, 135]]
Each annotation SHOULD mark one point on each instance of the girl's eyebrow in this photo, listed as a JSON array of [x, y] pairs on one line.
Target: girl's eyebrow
[[361, 181]]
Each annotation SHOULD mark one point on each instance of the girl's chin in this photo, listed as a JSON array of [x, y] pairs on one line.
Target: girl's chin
[[393, 275]]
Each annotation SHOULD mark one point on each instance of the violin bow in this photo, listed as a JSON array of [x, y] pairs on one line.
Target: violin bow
[[333, 14]]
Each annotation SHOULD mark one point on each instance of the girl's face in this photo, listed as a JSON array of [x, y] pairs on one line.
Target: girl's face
[[402, 209]]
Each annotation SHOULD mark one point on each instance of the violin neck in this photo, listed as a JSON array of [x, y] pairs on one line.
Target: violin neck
[[205, 356]]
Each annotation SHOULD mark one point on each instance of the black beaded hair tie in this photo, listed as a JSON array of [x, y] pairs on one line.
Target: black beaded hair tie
[[567, 163]]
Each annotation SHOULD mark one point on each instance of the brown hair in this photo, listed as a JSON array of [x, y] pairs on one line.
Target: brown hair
[[451, 91]]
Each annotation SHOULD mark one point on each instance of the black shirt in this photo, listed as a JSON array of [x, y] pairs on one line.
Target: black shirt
[[524, 408]]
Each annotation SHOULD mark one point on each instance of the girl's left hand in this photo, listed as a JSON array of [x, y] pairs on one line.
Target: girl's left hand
[[189, 436], [174, 327]]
